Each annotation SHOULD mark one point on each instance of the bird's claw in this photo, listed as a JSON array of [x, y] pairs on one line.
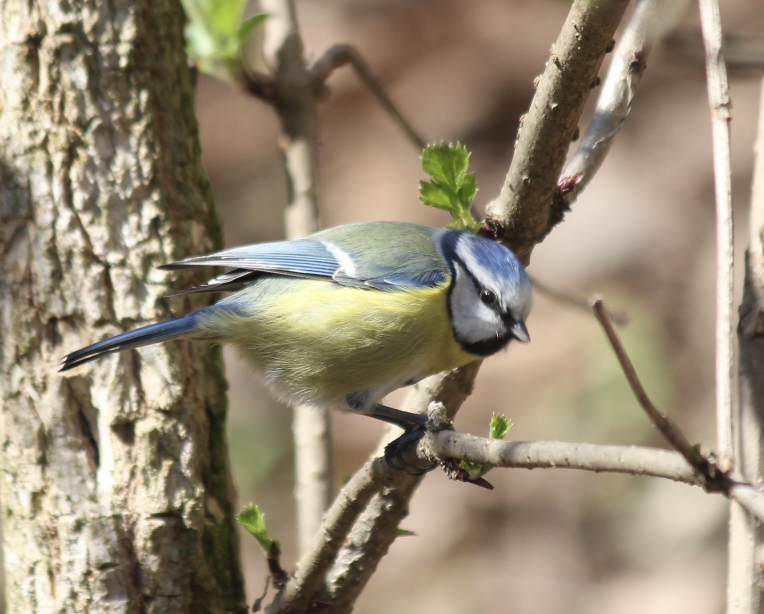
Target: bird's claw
[[395, 450]]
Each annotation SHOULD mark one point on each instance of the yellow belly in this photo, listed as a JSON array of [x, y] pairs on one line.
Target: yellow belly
[[318, 341]]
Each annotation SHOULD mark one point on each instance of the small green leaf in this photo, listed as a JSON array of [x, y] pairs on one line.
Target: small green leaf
[[248, 25], [200, 45], [452, 188], [436, 195], [253, 520], [225, 15], [499, 428], [405, 533]]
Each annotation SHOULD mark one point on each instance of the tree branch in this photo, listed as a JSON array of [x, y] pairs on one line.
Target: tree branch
[[719, 101], [621, 318], [745, 572], [650, 19], [713, 479], [523, 214], [340, 55]]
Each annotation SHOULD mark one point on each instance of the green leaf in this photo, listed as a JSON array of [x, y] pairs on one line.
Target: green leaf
[[248, 25], [452, 188], [224, 17], [499, 428], [405, 533], [214, 36], [253, 520], [436, 195], [200, 45]]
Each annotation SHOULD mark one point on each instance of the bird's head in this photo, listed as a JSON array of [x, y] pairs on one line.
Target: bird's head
[[490, 295]]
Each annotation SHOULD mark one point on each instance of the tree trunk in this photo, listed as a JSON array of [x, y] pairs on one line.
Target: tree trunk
[[114, 491]]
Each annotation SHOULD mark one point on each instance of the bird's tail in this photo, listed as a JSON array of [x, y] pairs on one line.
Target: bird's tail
[[162, 331]]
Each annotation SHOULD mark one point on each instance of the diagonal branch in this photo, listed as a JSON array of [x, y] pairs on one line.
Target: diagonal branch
[[713, 479], [651, 18], [340, 55]]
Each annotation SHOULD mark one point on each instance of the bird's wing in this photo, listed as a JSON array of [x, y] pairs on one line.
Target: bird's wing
[[318, 258]]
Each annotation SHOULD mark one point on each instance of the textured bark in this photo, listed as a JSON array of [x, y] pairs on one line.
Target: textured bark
[[113, 482]]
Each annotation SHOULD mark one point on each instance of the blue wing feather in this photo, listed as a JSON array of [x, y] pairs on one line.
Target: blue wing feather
[[382, 256]]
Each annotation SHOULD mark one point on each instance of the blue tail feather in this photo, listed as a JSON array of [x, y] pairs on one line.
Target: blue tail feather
[[161, 331]]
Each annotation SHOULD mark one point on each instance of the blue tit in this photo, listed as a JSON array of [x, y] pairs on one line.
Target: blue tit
[[347, 315]]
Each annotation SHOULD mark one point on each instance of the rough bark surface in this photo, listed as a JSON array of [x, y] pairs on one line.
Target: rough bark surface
[[113, 483]]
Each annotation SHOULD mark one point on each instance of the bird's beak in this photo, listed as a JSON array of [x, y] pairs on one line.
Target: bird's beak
[[520, 333]]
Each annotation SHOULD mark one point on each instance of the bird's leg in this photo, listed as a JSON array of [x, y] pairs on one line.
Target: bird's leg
[[414, 425]]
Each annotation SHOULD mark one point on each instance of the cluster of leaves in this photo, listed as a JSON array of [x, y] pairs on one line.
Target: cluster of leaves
[[215, 34], [499, 428], [452, 188]]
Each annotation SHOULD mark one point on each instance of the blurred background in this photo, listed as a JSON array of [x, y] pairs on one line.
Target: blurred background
[[642, 234]]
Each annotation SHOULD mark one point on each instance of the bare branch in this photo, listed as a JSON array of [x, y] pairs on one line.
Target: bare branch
[[300, 590], [719, 101], [713, 479], [340, 55], [633, 460], [523, 214], [649, 21], [621, 318], [745, 573]]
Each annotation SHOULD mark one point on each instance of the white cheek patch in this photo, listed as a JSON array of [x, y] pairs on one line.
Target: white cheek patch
[[346, 262], [473, 320]]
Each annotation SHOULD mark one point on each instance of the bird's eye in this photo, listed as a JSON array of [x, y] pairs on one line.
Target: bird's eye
[[488, 297]]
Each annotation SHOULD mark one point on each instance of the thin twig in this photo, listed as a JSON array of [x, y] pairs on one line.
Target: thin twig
[[713, 479], [340, 55], [719, 101], [650, 19], [621, 318]]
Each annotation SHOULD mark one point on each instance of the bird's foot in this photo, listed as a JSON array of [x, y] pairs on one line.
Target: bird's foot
[[395, 451]]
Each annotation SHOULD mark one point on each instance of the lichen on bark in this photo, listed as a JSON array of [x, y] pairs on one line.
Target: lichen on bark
[[113, 481]]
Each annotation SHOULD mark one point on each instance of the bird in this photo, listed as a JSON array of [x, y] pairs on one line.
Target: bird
[[343, 317]]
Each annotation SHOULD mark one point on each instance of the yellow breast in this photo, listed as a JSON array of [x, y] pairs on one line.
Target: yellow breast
[[318, 341]]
